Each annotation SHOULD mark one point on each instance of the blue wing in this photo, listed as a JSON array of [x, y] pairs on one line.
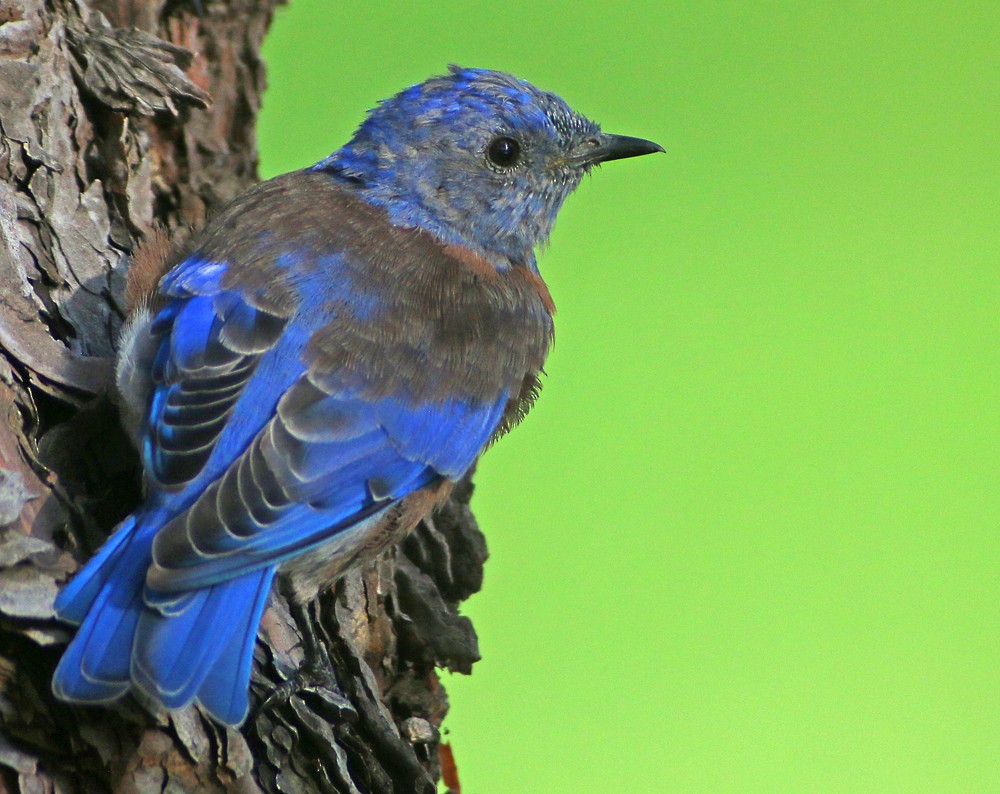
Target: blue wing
[[320, 465], [282, 457], [251, 458], [212, 342]]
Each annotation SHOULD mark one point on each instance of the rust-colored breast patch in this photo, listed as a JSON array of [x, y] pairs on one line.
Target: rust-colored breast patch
[[542, 289], [149, 262], [472, 261]]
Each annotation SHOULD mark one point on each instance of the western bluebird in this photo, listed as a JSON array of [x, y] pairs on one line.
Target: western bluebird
[[317, 368]]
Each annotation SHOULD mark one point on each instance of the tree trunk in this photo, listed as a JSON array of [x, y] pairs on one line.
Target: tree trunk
[[114, 116]]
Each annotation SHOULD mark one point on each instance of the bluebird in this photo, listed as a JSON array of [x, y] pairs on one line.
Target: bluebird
[[310, 375]]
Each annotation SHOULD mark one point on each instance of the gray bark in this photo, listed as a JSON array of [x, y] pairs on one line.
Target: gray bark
[[114, 116]]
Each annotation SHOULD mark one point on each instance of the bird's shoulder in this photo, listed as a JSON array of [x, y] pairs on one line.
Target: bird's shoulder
[[305, 220]]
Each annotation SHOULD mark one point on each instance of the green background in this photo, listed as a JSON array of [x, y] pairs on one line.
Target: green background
[[748, 540]]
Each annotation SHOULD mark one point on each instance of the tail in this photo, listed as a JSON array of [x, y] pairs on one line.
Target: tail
[[200, 648]]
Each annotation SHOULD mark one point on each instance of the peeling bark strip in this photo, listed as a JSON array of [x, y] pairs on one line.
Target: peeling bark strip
[[104, 131], [130, 70]]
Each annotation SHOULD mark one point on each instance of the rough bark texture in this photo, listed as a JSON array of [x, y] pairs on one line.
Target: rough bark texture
[[113, 116]]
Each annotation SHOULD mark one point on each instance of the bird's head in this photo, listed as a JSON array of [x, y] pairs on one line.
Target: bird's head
[[479, 158]]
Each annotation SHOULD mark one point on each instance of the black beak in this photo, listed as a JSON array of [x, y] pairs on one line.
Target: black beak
[[604, 147]]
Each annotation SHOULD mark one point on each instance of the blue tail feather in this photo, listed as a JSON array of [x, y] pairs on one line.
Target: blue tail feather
[[104, 598], [175, 654], [201, 648], [223, 693], [69, 682], [106, 636], [169, 656], [77, 597]]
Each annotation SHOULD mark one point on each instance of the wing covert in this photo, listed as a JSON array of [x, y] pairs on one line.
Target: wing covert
[[211, 341]]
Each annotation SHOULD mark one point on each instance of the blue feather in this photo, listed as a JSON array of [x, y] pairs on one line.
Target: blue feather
[[110, 594], [223, 691], [173, 655], [77, 598]]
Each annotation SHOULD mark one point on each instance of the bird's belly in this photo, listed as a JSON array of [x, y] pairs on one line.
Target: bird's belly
[[315, 570]]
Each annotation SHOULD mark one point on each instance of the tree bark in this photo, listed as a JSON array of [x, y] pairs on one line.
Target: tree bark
[[116, 115]]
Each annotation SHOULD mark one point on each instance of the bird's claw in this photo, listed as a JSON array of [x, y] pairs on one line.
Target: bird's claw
[[315, 681]]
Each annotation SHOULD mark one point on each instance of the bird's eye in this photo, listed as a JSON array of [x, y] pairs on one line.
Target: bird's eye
[[504, 152]]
